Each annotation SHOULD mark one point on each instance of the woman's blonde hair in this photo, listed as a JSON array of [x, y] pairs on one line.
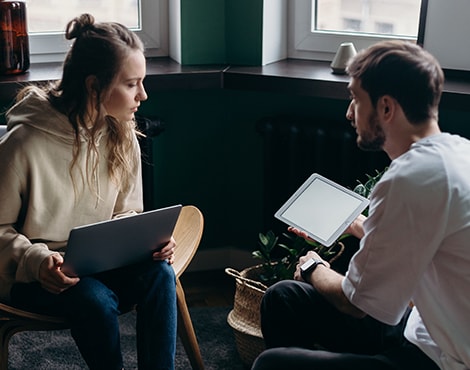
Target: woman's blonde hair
[[99, 50]]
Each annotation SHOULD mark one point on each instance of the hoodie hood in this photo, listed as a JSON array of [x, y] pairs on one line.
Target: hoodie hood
[[35, 110]]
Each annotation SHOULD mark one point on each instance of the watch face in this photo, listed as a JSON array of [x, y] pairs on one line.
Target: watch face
[[307, 264]]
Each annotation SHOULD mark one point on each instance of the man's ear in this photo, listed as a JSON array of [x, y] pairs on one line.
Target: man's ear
[[386, 106]]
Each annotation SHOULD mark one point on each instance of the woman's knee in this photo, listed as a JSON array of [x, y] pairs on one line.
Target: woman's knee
[[160, 274], [90, 297]]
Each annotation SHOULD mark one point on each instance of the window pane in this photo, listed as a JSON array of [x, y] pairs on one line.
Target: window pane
[[46, 16], [386, 17]]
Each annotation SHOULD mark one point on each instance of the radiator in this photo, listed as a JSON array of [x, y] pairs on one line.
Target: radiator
[[294, 148], [151, 128]]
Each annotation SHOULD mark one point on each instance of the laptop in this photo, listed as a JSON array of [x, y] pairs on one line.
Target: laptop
[[322, 208], [118, 242]]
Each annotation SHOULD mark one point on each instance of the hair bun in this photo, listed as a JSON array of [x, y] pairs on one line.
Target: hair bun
[[79, 25]]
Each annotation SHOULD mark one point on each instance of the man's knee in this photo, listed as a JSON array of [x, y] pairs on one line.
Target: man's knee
[[288, 295], [280, 291], [266, 360]]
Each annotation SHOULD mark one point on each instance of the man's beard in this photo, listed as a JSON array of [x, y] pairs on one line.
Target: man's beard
[[373, 138]]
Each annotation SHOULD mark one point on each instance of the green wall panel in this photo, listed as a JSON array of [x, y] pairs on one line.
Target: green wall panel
[[203, 32], [244, 32], [216, 32]]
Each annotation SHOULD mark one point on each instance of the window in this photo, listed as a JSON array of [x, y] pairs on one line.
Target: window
[[47, 20], [368, 16], [351, 25], [386, 28], [320, 26]]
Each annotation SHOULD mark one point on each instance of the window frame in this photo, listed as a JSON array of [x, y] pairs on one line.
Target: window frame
[[320, 45], [154, 34]]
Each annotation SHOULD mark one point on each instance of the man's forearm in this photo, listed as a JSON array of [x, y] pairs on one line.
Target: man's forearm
[[328, 283]]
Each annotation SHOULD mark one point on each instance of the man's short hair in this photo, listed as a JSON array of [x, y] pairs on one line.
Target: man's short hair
[[403, 70]]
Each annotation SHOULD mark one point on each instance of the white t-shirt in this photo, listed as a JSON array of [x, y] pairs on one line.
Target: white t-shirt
[[417, 247]]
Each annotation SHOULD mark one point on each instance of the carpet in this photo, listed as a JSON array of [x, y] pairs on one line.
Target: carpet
[[56, 349]]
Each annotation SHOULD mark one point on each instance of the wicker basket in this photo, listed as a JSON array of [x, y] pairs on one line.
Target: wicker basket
[[245, 316]]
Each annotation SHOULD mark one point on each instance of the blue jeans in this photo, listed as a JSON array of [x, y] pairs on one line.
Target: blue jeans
[[303, 331], [93, 307]]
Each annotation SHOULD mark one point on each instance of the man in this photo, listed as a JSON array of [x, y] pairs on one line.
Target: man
[[414, 249]]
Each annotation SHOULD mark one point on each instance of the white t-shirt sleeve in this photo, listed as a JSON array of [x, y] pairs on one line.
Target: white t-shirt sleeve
[[402, 234]]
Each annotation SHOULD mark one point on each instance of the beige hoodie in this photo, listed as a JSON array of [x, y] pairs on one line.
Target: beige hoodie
[[38, 203]]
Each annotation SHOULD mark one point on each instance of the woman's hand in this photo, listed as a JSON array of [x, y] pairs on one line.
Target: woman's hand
[[166, 253], [52, 278]]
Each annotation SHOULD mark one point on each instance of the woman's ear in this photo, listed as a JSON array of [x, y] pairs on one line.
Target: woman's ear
[[91, 84]]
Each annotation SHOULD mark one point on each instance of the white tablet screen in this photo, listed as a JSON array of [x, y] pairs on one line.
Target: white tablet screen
[[322, 208]]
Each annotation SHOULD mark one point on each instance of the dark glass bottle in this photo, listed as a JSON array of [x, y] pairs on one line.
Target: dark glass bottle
[[14, 43]]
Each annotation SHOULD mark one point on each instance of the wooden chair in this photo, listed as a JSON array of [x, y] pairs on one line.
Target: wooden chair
[[188, 233]]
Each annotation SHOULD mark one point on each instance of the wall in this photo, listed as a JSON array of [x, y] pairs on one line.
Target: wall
[[210, 154], [203, 32], [229, 31]]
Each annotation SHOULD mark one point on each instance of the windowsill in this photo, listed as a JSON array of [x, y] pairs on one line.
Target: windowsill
[[291, 76], [163, 74]]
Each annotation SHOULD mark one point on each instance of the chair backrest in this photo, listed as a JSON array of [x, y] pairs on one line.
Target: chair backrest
[[3, 129], [187, 233]]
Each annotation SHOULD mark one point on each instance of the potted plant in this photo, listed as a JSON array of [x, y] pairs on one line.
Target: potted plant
[[365, 189], [279, 256]]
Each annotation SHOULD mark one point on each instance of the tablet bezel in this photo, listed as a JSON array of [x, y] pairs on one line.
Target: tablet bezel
[[340, 227]]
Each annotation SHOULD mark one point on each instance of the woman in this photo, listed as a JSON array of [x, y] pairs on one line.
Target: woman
[[71, 157]]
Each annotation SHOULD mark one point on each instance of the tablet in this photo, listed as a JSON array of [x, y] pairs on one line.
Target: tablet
[[322, 208]]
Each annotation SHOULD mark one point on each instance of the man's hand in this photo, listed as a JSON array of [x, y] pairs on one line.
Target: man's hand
[[52, 278], [356, 227], [298, 232], [166, 253]]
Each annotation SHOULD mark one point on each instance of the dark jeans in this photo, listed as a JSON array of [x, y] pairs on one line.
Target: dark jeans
[[303, 331], [93, 307]]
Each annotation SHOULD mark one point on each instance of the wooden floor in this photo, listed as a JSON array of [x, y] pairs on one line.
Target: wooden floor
[[208, 288]]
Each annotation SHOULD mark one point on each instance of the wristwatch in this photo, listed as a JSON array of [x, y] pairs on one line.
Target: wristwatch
[[307, 267]]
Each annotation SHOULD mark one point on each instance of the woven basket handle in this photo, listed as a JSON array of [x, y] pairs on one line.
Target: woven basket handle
[[252, 283]]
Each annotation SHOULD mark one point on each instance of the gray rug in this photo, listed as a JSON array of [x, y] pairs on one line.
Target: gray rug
[[56, 350]]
